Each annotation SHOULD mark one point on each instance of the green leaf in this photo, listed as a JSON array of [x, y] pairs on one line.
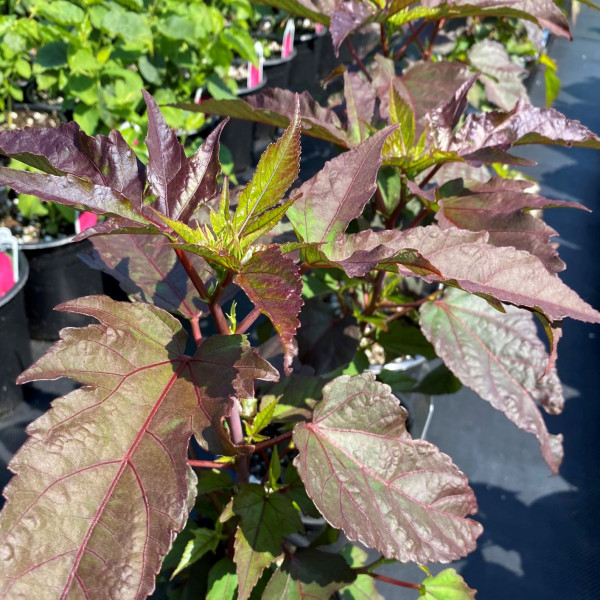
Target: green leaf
[[241, 42], [439, 381], [404, 340], [309, 574], [297, 395], [368, 477], [401, 112], [213, 480], [131, 27], [52, 55], [87, 117], [61, 11], [83, 61], [264, 417], [447, 585], [176, 28], [222, 581], [204, 540], [265, 520], [276, 171], [363, 588]]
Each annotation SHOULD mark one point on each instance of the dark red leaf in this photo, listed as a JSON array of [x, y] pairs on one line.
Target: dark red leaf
[[347, 18], [102, 484], [273, 284]]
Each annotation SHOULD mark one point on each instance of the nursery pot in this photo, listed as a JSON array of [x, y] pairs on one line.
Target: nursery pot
[[305, 71], [15, 353], [238, 135], [56, 275]]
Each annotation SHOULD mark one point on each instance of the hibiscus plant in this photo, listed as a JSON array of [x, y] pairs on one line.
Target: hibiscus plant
[[228, 429]]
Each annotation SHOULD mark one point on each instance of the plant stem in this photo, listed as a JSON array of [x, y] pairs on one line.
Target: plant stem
[[398, 582], [418, 218], [434, 35], [237, 437], [359, 62], [384, 44], [377, 291], [430, 175], [248, 321], [195, 323], [410, 40], [421, 48], [380, 201], [215, 309], [273, 441], [209, 464]]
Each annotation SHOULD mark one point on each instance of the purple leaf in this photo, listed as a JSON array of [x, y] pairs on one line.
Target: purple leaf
[[510, 275], [347, 17], [501, 207], [180, 184], [107, 161], [273, 284], [276, 107], [347, 181], [104, 473], [148, 270], [368, 477], [525, 124], [464, 328], [360, 106]]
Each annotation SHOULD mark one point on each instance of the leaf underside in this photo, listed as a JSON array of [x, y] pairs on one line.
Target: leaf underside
[[368, 477]]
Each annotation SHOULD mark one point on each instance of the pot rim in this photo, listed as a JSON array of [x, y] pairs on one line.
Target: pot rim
[[45, 245], [17, 287]]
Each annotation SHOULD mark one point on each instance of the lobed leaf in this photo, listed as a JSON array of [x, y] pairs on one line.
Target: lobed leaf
[[273, 284], [347, 182], [347, 18], [368, 477], [276, 171], [501, 358], [104, 474], [180, 184]]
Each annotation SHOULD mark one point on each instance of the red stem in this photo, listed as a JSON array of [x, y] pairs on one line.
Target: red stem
[[384, 44], [398, 582], [421, 48], [434, 35], [430, 175], [359, 62], [248, 321], [195, 322], [418, 218], [273, 441], [409, 41], [215, 309]]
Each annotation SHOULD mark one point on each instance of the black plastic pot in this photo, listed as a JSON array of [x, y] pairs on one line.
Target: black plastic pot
[[15, 353], [304, 74], [239, 135], [56, 275]]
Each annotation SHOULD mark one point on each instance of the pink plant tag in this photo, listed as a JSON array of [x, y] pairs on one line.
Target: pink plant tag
[[7, 276], [255, 74], [319, 28], [85, 220], [287, 45], [198, 96]]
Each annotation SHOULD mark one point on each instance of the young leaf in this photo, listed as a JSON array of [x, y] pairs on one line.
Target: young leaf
[[347, 182], [369, 478], [204, 540], [463, 328], [180, 184], [401, 113], [309, 574], [276, 171], [116, 445], [222, 581], [447, 585], [265, 519], [273, 284], [148, 270]]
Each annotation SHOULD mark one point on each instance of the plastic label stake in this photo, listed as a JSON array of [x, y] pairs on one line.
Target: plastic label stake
[[9, 266], [255, 74], [84, 220], [287, 45]]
